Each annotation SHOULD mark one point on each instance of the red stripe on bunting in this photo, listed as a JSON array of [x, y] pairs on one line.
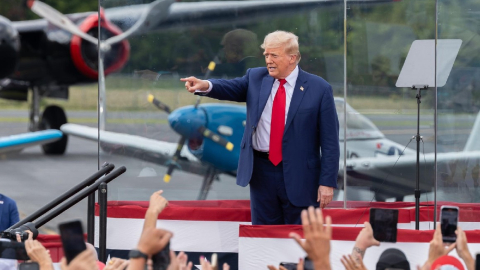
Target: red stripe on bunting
[[237, 211], [342, 233]]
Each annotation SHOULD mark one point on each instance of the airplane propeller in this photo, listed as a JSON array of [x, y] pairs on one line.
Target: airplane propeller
[[181, 120], [155, 13]]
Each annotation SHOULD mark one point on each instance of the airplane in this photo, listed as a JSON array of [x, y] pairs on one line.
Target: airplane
[[16, 143], [210, 137], [47, 56]]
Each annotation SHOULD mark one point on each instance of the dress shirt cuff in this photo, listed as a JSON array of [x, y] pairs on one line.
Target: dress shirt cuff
[[210, 86]]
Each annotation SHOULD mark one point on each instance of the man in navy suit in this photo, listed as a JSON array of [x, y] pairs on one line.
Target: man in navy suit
[[290, 150], [8, 213]]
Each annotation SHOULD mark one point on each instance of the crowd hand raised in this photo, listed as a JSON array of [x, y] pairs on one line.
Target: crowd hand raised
[[157, 202], [153, 240], [117, 264], [19, 238], [462, 249], [353, 264], [317, 237], [38, 253], [86, 260], [325, 196], [437, 249], [193, 84], [300, 266], [364, 240], [183, 263]]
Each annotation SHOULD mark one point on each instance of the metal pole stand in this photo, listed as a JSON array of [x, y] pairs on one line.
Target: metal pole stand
[[418, 138], [102, 202]]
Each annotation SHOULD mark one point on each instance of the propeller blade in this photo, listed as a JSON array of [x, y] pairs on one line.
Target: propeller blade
[[155, 13], [158, 103], [55, 17], [173, 162], [207, 133]]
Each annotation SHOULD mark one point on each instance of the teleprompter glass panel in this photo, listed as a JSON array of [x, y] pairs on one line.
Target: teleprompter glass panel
[[207, 41], [381, 160]]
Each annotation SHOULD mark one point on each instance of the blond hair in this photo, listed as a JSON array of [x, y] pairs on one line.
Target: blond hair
[[284, 39]]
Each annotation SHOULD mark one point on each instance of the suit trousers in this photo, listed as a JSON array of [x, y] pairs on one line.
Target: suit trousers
[[269, 202]]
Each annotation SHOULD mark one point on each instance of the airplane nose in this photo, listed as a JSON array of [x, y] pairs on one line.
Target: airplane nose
[[187, 120]]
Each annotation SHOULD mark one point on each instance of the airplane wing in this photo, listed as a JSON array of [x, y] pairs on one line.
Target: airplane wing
[[133, 146], [388, 179], [218, 12], [199, 13], [16, 143]]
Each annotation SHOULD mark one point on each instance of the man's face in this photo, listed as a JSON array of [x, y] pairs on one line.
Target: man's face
[[279, 63]]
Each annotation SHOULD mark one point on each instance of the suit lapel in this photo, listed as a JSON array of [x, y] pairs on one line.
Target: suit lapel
[[265, 90], [296, 97]]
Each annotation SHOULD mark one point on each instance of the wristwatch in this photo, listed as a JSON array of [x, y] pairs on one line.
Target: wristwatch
[[135, 253]]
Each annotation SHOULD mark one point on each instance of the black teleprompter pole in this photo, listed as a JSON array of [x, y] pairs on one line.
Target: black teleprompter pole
[[91, 214], [418, 138], [102, 201]]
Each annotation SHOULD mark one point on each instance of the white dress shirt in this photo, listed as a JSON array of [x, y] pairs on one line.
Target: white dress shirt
[[261, 135]]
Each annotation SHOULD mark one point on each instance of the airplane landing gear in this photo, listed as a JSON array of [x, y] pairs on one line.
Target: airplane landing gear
[[207, 183], [54, 117]]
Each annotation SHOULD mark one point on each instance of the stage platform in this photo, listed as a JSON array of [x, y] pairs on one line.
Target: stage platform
[[224, 227]]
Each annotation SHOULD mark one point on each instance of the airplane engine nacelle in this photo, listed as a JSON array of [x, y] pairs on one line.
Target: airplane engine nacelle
[[9, 47], [85, 54]]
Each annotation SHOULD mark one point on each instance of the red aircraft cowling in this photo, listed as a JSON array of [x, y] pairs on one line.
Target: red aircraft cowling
[[77, 47]]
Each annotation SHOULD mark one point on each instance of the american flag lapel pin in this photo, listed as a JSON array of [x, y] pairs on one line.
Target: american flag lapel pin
[[301, 88]]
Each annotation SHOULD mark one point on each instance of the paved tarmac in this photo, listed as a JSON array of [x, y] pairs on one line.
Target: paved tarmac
[[34, 179]]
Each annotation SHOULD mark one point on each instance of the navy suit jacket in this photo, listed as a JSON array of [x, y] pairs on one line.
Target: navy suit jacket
[[311, 126], [8, 213]]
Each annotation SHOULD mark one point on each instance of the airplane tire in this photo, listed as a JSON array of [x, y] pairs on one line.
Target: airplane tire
[[54, 117]]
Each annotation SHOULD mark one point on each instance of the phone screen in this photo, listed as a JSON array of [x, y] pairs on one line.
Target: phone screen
[[73, 240], [477, 261], [384, 224], [448, 223], [29, 266], [289, 265]]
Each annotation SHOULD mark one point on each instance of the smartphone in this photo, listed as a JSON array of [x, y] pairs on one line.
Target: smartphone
[[289, 265], [29, 266], [308, 264], [161, 260], [477, 261], [72, 237], [384, 224], [448, 223]]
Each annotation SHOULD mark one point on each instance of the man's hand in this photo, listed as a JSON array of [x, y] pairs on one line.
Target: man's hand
[[153, 240], [193, 84], [157, 202], [462, 249], [317, 244], [364, 240], [325, 195], [437, 249], [38, 253], [86, 260]]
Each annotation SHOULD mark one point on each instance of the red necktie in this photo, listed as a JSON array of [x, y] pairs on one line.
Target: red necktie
[[277, 125]]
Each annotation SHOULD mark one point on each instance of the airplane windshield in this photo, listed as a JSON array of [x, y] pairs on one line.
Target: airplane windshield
[[355, 120]]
